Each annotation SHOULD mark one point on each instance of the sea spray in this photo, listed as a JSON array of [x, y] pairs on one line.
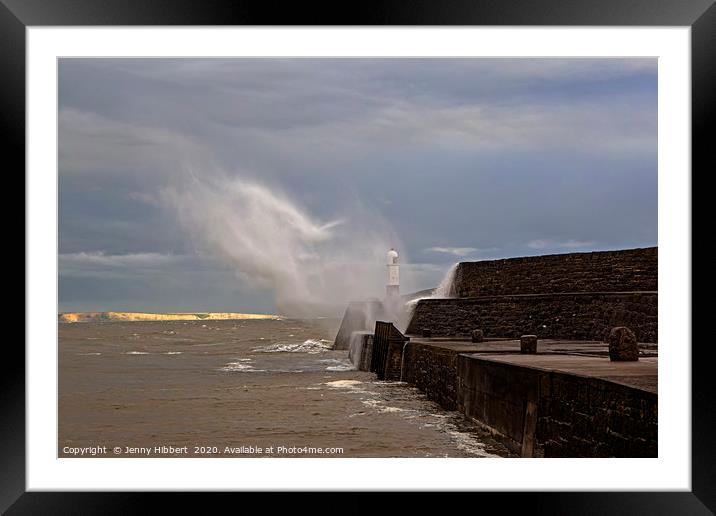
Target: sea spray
[[355, 349], [396, 311], [314, 267], [446, 288]]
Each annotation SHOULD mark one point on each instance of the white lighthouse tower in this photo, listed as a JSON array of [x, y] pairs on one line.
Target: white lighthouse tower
[[392, 288]]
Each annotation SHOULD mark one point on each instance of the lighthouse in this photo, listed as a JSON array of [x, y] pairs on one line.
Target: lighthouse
[[392, 288]]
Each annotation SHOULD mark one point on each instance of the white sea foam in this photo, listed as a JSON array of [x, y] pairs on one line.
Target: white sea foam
[[343, 383], [173, 353], [469, 443], [312, 346], [136, 353], [395, 409], [352, 387], [241, 366], [87, 354], [338, 364], [342, 367], [378, 405], [372, 403]]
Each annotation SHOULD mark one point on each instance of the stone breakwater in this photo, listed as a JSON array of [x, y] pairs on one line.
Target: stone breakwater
[[76, 317], [561, 396], [563, 405], [566, 400], [603, 271], [587, 316]]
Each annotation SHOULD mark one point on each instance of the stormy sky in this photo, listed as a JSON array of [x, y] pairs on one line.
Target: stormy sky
[[211, 184]]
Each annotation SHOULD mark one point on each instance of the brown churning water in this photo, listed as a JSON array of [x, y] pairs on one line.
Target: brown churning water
[[230, 388]]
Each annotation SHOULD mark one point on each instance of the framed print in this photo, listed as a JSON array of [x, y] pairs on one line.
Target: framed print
[[419, 249]]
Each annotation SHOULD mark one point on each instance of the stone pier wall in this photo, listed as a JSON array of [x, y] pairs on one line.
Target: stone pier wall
[[576, 416], [603, 271], [594, 418], [578, 316], [361, 350], [433, 370]]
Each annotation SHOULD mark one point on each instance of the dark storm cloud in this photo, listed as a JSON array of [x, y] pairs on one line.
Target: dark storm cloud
[[464, 158]]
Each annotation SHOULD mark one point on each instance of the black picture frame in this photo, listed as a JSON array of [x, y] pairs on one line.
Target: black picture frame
[[700, 15]]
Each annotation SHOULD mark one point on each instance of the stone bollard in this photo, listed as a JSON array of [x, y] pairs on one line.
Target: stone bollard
[[427, 333], [478, 336], [528, 344], [622, 345]]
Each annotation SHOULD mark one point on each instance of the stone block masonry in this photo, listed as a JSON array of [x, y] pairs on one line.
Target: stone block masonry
[[361, 350], [597, 418], [550, 404], [577, 316], [581, 406], [366, 354], [433, 370], [604, 271]]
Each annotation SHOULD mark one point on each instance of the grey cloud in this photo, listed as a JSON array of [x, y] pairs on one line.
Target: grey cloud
[[269, 101], [90, 143], [504, 156], [100, 264], [550, 244]]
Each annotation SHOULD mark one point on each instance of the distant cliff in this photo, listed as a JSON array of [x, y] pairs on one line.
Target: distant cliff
[[73, 317]]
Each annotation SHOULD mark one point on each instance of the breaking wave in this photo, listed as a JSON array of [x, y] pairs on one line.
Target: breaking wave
[[241, 365], [311, 346], [272, 241], [338, 365]]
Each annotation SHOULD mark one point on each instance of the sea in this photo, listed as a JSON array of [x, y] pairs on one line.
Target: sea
[[241, 388]]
